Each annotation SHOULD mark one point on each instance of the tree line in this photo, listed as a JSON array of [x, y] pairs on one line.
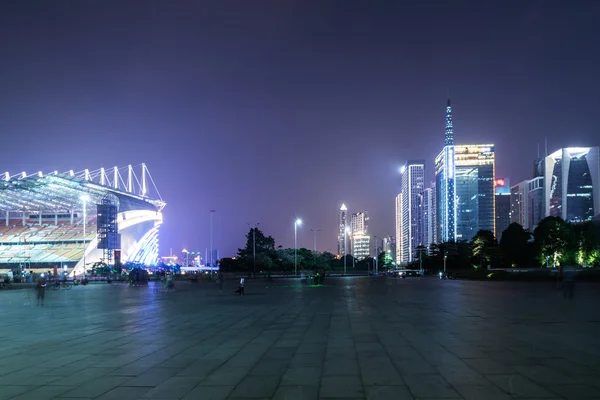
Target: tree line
[[260, 255], [553, 242]]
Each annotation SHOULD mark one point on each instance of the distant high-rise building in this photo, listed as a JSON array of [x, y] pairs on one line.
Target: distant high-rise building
[[428, 217], [361, 245], [433, 212], [342, 225], [535, 202], [413, 184], [572, 183], [519, 204], [389, 247], [359, 223], [399, 228], [444, 184], [502, 206], [474, 183]]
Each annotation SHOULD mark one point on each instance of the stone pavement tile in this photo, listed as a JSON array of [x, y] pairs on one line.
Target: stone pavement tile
[[80, 377], [370, 348], [415, 366], [466, 351], [203, 392], [280, 353], [226, 376], [429, 386], [511, 358], [566, 366], [310, 348], [341, 366], [301, 376], [256, 387], [545, 375], [43, 393], [518, 386], [462, 376], [152, 377], [341, 387], [576, 392], [174, 387], [388, 393], [344, 343], [25, 377], [96, 387], [269, 367], [200, 368], [442, 359], [307, 360], [123, 392], [485, 392], [296, 393], [10, 391], [379, 371], [489, 366]]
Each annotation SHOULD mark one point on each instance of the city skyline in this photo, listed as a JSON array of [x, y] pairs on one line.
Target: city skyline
[[247, 109]]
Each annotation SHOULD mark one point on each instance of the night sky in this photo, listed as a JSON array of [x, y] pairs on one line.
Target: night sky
[[268, 110]]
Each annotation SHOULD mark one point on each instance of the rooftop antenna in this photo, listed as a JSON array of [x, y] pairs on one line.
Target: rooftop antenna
[[546, 146]]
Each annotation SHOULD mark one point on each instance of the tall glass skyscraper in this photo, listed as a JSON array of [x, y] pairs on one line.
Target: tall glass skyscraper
[[572, 183], [413, 185], [475, 194], [444, 185]]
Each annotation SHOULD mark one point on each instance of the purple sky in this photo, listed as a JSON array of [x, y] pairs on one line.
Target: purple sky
[[267, 110]]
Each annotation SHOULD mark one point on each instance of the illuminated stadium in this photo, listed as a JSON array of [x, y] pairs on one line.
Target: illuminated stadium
[[51, 220]]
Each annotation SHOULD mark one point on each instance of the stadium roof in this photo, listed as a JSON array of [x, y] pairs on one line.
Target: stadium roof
[[63, 192]]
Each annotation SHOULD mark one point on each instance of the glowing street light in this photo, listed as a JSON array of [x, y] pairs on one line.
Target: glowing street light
[[297, 223]]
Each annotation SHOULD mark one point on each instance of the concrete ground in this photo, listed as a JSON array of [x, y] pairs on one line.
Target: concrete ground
[[354, 338]]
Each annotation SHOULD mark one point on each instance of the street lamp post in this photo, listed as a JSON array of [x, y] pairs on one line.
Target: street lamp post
[[85, 198], [297, 223], [211, 242], [254, 245], [346, 248], [314, 231], [445, 257]]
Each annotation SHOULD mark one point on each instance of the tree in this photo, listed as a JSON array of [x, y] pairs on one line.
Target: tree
[[227, 264], [553, 237], [515, 245], [483, 241]]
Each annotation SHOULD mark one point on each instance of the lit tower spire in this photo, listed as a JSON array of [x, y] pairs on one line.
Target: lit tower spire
[[449, 131]]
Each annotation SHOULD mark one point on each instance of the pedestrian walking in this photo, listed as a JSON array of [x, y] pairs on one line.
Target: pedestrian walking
[[240, 289], [220, 278]]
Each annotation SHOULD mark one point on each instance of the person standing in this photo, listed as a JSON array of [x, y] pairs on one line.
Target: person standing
[[41, 289]]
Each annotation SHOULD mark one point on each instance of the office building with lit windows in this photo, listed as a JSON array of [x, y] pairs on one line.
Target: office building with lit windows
[[359, 222], [361, 246], [413, 185], [428, 217], [445, 185], [475, 197], [399, 228], [502, 193], [572, 184]]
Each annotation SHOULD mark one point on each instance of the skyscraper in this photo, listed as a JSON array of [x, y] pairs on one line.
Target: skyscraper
[[428, 220], [475, 197], [342, 224], [502, 206], [361, 241], [359, 222], [399, 228], [444, 184], [519, 202], [413, 185], [572, 184]]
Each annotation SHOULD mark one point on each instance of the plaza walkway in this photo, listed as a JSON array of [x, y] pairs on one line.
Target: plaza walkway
[[354, 338]]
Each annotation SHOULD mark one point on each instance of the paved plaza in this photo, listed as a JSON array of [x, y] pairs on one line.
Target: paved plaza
[[354, 338]]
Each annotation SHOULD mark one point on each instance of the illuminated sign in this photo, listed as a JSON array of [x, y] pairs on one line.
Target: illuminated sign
[[500, 182]]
